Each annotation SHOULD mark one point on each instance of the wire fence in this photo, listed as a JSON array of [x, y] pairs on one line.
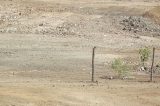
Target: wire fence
[[132, 58], [78, 64]]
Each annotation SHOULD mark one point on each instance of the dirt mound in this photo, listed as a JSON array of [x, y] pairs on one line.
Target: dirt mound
[[138, 24], [154, 14]]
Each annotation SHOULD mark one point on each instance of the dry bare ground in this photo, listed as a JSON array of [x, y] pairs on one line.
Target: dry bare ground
[[46, 48]]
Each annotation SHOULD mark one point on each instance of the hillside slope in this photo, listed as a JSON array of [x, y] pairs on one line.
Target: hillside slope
[[154, 14]]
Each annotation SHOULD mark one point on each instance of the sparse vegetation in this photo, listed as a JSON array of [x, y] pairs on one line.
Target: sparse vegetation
[[144, 55], [120, 67]]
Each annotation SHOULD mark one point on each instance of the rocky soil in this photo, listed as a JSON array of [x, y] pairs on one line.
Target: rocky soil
[[55, 19], [140, 24]]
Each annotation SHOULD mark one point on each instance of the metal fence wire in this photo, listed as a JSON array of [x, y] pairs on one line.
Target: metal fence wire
[[76, 64]]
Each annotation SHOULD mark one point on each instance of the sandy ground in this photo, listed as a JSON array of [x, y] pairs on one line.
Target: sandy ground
[[112, 93], [46, 48], [40, 71]]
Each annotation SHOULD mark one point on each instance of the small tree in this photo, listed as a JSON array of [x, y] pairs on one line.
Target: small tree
[[120, 67], [144, 55]]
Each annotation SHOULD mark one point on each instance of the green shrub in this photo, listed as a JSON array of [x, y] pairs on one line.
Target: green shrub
[[144, 55], [120, 68]]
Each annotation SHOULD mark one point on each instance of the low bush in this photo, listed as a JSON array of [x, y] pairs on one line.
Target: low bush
[[120, 68]]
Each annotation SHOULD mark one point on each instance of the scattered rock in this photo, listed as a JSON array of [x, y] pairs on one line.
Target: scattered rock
[[110, 78], [41, 24], [138, 24]]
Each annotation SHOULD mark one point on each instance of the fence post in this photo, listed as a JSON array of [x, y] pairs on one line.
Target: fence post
[[93, 56], [152, 66]]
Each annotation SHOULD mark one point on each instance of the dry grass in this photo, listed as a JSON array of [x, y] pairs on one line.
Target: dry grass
[[154, 14]]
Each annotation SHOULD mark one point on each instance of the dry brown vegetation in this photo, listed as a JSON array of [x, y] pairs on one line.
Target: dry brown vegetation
[[154, 14]]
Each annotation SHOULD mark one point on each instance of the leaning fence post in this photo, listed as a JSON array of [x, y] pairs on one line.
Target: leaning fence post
[[93, 56], [152, 66]]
